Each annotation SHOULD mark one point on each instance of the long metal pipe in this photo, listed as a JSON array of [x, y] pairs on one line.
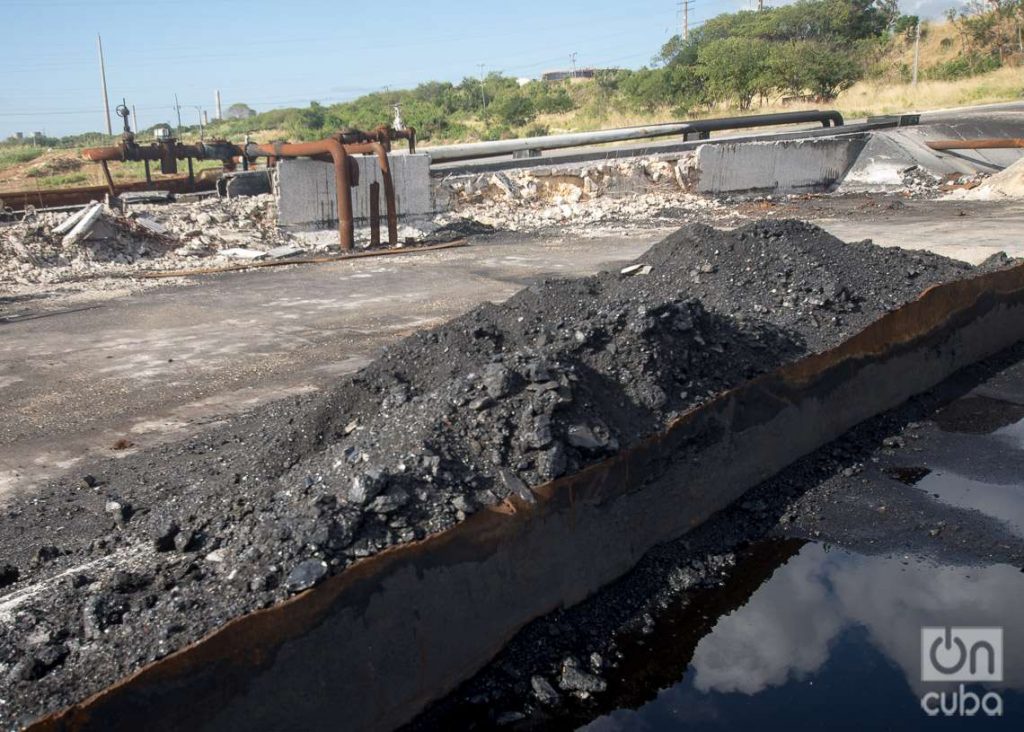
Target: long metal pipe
[[473, 150], [991, 143], [339, 157]]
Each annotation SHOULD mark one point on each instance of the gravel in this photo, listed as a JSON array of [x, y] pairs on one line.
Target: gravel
[[133, 558]]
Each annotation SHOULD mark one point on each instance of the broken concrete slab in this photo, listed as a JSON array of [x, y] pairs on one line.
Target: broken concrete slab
[[70, 222], [84, 225], [284, 252], [154, 226], [245, 183], [241, 253], [787, 166]]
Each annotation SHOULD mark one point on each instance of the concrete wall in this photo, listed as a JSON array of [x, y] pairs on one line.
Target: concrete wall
[[786, 166], [307, 197]]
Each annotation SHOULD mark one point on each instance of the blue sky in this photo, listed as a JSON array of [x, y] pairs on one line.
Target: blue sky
[[272, 54]]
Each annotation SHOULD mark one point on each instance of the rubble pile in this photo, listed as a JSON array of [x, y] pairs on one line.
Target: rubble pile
[[48, 247], [576, 198], [1007, 184], [158, 548]]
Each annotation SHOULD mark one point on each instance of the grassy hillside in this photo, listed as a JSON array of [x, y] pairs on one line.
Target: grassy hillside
[[816, 54]]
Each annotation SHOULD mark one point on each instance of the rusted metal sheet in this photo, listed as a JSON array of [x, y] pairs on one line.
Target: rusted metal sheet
[[993, 143], [83, 194], [368, 648]]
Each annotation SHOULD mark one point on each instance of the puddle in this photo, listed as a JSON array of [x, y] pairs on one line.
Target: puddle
[[1002, 502], [832, 639], [977, 470], [978, 415]]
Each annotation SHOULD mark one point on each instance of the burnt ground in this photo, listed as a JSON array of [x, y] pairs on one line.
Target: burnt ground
[[131, 559], [564, 670]]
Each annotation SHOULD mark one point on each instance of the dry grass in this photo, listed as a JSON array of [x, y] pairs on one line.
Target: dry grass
[[1002, 85]]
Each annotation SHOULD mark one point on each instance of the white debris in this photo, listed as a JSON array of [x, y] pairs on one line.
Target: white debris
[[242, 253], [285, 251], [636, 269], [70, 221], [84, 225]]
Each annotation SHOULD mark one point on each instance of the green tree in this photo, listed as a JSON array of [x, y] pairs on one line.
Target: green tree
[[513, 109], [736, 68], [812, 66]]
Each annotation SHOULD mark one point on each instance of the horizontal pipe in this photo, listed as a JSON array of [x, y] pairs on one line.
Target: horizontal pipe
[[217, 150], [991, 143], [469, 151]]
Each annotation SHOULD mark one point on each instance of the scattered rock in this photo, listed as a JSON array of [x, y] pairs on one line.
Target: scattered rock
[[574, 679], [163, 537], [544, 691], [8, 575], [305, 575]]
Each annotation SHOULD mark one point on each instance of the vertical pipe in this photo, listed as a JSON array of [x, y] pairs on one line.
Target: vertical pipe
[[149, 176], [106, 174], [389, 192], [375, 214], [346, 226], [191, 176]]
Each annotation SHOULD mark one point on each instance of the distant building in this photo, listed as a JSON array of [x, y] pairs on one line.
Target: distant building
[[562, 75]]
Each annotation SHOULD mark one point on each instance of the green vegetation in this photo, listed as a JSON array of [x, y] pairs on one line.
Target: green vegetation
[[15, 154], [60, 181], [813, 51]]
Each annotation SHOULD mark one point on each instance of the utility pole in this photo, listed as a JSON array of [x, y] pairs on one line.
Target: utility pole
[[917, 53], [572, 60], [685, 5], [219, 115], [135, 118], [760, 5], [177, 108], [103, 80]]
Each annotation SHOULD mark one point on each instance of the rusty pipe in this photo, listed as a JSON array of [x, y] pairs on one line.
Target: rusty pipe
[[212, 150], [991, 143], [375, 214], [377, 149], [109, 179], [342, 180]]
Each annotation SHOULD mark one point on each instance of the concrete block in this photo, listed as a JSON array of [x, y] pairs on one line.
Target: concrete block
[[889, 152], [785, 166], [307, 198], [245, 183]]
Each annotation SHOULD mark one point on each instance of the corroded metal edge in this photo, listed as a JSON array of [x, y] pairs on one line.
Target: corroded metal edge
[[371, 646]]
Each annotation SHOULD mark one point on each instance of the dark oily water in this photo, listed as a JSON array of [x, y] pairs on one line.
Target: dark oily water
[[975, 470], [834, 639]]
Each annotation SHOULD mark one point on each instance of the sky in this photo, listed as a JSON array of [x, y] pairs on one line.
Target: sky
[[273, 54]]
